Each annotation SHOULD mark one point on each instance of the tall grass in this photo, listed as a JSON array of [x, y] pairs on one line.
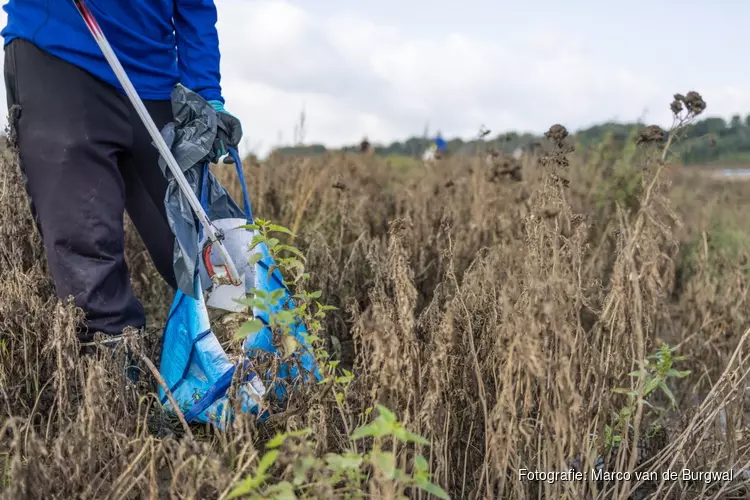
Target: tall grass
[[495, 317]]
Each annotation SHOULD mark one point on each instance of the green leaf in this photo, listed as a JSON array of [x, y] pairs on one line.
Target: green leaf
[[245, 487], [254, 303], [678, 374], [420, 463], [257, 240], [409, 437], [277, 294], [280, 229], [250, 227], [637, 373], [343, 462], [249, 328], [253, 482], [668, 392], [386, 462], [310, 338], [308, 295], [291, 250], [650, 386], [285, 317], [280, 491], [267, 461], [290, 344], [376, 429], [431, 488], [386, 414], [400, 476], [276, 441], [272, 242], [255, 258], [292, 263], [246, 301]]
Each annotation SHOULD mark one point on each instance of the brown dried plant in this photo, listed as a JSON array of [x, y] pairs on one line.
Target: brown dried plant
[[493, 315]]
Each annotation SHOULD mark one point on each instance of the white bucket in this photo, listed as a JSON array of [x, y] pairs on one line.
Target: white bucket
[[218, 291]]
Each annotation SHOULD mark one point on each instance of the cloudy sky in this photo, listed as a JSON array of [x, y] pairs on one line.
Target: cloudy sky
[[385, 68]]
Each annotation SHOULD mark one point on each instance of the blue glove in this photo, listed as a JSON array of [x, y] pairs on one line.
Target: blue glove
[[228, 133]]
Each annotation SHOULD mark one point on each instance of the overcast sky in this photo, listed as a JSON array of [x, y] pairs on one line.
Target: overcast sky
[[386, 67]]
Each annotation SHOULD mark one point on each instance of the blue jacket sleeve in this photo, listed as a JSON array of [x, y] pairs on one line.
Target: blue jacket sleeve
[[198, 47]]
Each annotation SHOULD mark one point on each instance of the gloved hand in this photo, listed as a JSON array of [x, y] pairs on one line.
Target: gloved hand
[[228, 133]]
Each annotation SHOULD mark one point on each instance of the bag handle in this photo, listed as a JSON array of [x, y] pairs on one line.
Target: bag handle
[[240, 175], [245, 196], [206, 250]]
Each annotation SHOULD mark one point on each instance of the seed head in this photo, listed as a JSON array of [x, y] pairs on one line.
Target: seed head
[[676, 105], [694, 103], [557, 133], [652, 134]]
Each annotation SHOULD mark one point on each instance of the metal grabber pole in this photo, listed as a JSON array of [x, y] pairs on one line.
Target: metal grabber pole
[[122, 77]]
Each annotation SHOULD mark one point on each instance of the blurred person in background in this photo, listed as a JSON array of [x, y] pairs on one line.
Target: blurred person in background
[[365, 147], [441, 147], [85, 154]]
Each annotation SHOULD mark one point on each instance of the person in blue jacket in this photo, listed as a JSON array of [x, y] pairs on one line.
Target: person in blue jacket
[[441, 147], [85, 155]]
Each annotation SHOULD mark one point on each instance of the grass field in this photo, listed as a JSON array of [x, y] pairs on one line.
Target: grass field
[[590, 310]]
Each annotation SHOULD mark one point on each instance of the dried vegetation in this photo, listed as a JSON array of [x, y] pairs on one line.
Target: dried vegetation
[[493, 314]]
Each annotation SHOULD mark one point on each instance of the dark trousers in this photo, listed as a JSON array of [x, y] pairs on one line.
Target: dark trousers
[[87, 158]]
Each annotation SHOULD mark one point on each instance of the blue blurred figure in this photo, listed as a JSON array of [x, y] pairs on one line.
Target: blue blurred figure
[[441, 147]]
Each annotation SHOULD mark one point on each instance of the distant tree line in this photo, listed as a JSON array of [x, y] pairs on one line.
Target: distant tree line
[[711, 140]]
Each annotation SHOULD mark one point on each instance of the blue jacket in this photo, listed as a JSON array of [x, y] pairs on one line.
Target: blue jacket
[[159, 42]]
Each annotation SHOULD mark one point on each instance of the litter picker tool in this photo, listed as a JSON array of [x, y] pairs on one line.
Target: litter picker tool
[[214, 235]]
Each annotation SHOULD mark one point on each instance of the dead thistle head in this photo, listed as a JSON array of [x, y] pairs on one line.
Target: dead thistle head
[[558, 156], [653, 134], [692, 101], [557, 133]]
